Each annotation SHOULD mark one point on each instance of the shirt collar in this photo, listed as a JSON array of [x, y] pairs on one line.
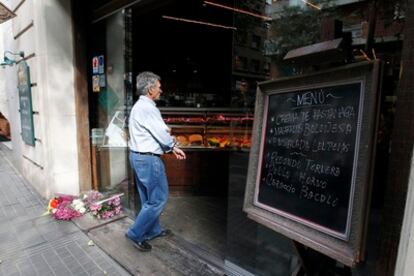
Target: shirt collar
[[146, 99]]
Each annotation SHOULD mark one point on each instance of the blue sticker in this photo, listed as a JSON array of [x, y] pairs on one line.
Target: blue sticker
[[101, 68], [102, 81]]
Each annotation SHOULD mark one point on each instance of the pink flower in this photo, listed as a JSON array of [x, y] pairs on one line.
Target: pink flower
[[66, 207], [95, 207], [65, 213], [105, 209]]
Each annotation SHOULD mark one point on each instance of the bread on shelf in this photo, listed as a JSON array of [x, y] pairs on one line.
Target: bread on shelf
[[195, 139], [182, 140]]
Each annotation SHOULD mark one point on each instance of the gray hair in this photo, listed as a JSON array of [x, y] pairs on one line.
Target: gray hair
[[146, 80]]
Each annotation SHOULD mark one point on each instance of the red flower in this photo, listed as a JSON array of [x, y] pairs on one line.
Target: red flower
[[54, 203]]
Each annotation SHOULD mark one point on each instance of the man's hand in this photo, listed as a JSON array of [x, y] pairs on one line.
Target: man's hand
[[179, 154]]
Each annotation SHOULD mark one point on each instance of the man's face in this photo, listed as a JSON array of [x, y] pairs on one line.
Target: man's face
[[155, 91], [244, 87]]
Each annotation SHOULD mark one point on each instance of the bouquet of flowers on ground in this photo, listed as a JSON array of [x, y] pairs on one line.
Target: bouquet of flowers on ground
[[106, 208], [62, 207], [66, 207]]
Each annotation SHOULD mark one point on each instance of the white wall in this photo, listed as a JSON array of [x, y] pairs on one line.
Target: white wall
[[8, 88], [405, 263], [4, 109], [52, 164]]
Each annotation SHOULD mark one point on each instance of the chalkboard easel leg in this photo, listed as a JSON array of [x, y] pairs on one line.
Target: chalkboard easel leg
[[299, 271], [316, 264], [305, 266], [346, 271]]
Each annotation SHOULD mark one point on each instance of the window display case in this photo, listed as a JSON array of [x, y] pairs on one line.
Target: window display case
[[210, 128]]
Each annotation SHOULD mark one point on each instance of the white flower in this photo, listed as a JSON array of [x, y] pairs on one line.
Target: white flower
[[78, 204], [77, 201], [82, 210]]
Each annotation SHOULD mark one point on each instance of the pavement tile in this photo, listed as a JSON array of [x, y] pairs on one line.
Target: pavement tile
[[16, 273], [32, 244], [11, 251], [54, 262], [61, 271], [63, 251], [44, 271], [23, 265], [8, 268], [5, 234], [112, 272], [28, 272], [68, 260], [86, 263], [78, 271], [94, 270], [101, 262]]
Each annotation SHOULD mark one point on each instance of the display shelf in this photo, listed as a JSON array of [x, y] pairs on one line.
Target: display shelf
[[210, 128]]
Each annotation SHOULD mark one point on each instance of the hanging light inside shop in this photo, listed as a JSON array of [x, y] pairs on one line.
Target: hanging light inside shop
[[263, 17], [311, 5], [198, 22]]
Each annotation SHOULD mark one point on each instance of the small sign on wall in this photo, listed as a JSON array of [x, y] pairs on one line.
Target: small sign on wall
[[95, 65], [101, 64], [102, 80], [95, 83], [25, 101], [98, 73]]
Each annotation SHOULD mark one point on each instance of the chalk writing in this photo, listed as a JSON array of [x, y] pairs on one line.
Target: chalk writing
[[309, 146], [311, 98]]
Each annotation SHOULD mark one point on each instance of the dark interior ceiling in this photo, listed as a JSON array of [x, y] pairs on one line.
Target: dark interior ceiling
[[189, 57]]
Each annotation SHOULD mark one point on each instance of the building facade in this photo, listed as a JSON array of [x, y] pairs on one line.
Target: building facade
[[52, 163], [83, 58]]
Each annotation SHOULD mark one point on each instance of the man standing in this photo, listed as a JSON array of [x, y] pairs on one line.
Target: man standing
[[149, 138]]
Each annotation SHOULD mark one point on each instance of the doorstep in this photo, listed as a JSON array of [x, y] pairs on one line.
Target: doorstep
[[169, 255], [88, 222]]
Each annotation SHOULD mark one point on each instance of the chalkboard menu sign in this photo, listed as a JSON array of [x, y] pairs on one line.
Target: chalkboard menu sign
[[309, 140], [25, 101], [310, 164]]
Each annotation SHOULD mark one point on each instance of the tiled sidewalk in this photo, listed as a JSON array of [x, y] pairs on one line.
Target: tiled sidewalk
[[32, 244]]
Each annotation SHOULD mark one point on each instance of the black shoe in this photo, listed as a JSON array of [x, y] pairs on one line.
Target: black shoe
[[143, 246], [164, 233]]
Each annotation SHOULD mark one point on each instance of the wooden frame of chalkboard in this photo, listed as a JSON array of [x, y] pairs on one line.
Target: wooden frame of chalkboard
[[310, 167]]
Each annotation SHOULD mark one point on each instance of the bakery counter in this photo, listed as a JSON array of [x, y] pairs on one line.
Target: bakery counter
[[213, 138], [203, 172], [213, 149], [210, 129]]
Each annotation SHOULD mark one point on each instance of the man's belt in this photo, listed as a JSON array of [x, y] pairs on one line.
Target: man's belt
[[146, 153]]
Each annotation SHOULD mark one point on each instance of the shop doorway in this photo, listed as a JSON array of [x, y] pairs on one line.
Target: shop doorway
[[194, 60], [209, 74]]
